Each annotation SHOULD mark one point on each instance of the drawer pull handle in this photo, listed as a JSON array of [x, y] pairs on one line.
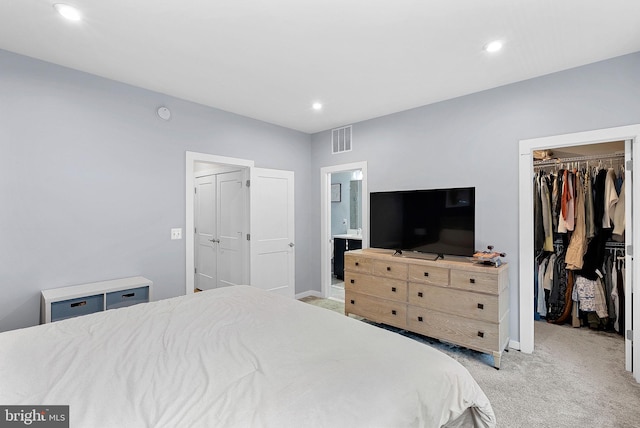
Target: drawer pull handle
[[419, 293], [353, 302], [426, 274], [393, 312], [124, 296], [393, 289], [420, 319], [481, 334], [472, 280], [353, 281], [357, 264], [388, 268], [480, 306], [84, 302]]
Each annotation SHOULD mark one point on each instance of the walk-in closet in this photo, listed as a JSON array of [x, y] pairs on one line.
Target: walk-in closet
[[579, 237]]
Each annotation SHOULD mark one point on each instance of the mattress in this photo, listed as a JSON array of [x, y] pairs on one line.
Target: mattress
[[235, 357]]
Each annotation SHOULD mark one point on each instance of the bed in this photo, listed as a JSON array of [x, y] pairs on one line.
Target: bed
[[235, 357]]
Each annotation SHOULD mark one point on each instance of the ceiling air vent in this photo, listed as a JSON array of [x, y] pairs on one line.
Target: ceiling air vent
[[341, 140]]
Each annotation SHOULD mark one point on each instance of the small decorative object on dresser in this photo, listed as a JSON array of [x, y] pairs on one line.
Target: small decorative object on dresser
[[454, 299], [488, 257]]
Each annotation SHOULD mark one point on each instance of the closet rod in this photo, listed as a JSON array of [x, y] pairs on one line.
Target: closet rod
[[578, 159], [614, 244]]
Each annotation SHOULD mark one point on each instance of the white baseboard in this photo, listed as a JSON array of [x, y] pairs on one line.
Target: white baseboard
[[514, 345], [313, 293]]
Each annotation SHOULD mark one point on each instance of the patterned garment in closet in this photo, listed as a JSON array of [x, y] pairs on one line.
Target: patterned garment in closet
[[585, 293], [590, 295]]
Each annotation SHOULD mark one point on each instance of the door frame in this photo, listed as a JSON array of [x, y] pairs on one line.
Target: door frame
[[526, 253], [190, 159], [325, 219]]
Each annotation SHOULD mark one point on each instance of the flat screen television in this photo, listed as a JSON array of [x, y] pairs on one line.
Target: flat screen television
[[437, 221]]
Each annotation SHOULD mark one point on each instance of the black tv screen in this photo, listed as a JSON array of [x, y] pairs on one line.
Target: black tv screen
[[439, 221]]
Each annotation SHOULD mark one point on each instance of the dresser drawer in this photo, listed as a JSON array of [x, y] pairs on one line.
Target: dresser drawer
[[124, 298], [76, 307], [376, 309], [386, 288], [429, 274], [477, 306], [390, 269], [475, 334], [475, 281], [357, 263]]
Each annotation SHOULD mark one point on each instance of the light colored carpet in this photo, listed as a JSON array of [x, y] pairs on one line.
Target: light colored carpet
[[574, 378]]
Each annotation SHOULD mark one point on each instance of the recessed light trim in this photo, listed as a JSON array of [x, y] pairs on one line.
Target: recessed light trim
[[317, 106], [493, 46], [69, 12]]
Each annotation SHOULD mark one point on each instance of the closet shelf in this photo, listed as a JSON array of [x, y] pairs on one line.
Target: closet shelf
[[547, 162]]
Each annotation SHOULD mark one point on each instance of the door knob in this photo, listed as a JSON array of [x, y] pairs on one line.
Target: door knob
[[291, 244], [214, 240]]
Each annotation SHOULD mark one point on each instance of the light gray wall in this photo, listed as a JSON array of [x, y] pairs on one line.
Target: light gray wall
[[473, 141], [92, 181]]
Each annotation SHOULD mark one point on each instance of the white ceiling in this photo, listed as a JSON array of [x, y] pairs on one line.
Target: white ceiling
[[271, 59]]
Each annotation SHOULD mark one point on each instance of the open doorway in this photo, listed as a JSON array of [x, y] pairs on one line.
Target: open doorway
[[220, 226], [267, 220], [345, 220], [629, 135], [211, 241]]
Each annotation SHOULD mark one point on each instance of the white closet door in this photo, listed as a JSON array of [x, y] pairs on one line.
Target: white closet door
[[230, 225], [632, 350], [272, 230], [205, 236]]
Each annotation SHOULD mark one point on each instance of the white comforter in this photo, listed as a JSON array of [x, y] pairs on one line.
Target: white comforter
[[235, 357]]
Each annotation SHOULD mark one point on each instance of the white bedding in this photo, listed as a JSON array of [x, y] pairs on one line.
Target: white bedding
[[235, 357]]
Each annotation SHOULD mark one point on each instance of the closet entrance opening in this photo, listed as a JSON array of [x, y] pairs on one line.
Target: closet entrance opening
[[255, 233], [579, 238], [576, 200], [220, 212]]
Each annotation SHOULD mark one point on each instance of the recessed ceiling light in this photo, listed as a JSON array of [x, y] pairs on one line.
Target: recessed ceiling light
[[69, 12], [493, 46], [316, 106]]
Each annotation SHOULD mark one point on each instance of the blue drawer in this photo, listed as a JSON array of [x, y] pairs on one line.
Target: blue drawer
[[123, 298], [76, 307]]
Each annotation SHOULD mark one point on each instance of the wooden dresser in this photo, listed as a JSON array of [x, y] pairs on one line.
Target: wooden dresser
[[453, 300]]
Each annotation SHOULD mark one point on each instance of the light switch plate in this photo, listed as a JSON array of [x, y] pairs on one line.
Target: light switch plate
[[176, 233]]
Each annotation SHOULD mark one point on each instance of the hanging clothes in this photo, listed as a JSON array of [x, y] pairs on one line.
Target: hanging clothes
[[566, 221], [598, 198], [538, 227], [578, 243], [610, 278], [556, 198], [547, 282], [619, 217], [610, 199], [547, 220], [560, 297], [576, 271], [590, 229]]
